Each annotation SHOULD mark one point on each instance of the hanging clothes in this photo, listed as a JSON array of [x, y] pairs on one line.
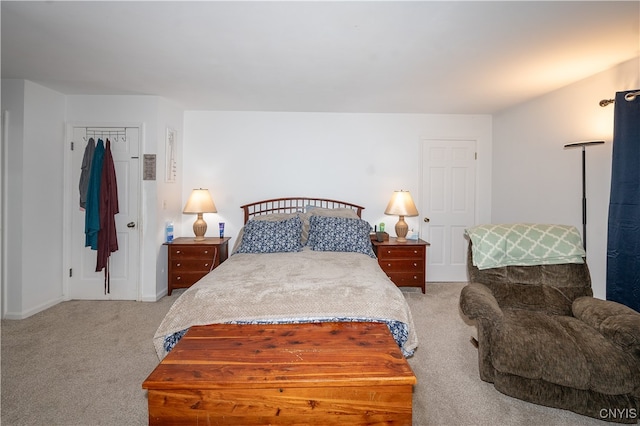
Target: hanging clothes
[[92, 214], [623, 242], [87, 159], [108, 236]]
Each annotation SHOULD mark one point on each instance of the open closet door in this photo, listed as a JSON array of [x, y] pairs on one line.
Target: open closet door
[[623, 245]]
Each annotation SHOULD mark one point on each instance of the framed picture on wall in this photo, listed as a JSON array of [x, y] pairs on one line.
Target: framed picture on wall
[[171, 167]]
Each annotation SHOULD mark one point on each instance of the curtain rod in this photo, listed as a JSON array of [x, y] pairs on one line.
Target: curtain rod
[[628, 97]]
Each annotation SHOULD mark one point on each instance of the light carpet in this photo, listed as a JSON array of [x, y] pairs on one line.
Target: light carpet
[[83, 363]]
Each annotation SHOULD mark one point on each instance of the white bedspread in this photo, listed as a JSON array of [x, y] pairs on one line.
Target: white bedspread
[[289, 286]]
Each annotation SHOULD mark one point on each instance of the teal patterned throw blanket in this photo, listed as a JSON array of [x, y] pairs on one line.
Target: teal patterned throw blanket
[[525, 244]]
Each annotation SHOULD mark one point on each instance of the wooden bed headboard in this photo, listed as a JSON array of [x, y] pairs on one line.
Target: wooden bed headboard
[[293, 205]]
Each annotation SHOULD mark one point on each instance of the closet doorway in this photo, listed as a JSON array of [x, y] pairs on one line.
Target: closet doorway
[[124, 264], [447, 206]]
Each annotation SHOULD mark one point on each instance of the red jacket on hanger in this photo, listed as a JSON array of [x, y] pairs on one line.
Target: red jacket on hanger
[[107, 236]]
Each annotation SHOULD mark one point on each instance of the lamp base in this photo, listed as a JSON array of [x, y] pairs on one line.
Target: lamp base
[[401, 230], [199, 228]]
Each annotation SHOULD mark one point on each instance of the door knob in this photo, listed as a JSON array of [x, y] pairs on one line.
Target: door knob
[[131, 225], [426, 220]]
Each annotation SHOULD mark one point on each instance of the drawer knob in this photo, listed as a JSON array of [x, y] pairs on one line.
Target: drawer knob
[[415, 252], [415, 277], [178, 278], [206, 252], [415, 264], [388, 264], [178, 251], [388, 251], [206, 264], [179, 264]]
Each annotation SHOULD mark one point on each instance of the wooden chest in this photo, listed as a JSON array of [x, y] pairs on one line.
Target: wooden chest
[[325, 374]]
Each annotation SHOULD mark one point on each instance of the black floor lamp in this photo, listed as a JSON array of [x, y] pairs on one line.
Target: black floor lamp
[[584, 185]]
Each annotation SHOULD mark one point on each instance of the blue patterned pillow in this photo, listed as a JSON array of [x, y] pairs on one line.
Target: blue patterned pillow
[[340, 234], [261, 236]]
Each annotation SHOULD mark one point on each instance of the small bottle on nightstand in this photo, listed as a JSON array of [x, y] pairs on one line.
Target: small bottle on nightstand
[[169, 232]]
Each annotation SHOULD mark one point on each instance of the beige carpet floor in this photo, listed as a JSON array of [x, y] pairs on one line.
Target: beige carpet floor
[[83, 363]]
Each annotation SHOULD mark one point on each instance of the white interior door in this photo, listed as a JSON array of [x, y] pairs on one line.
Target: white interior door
[[84, 282], [448, 205]]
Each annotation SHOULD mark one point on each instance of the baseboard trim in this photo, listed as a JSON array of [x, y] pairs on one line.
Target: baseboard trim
[[155, 298], [26, 314]]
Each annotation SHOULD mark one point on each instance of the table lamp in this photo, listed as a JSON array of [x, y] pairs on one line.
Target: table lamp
[[200, 202], [401, 204]]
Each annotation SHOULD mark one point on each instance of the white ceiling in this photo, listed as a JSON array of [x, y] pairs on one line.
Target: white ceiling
[[345, 56]]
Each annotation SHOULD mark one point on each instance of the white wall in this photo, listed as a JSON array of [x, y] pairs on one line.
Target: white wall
[[33, 277], [536, 180], [168, 200], [361, 158], [13, 104], [34, 199], [524, 174]]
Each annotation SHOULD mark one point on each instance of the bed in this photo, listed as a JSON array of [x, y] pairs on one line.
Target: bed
[[296, 261]]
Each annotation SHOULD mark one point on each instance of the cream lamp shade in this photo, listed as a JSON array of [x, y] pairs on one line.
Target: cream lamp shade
[[401, 204], [200, 202]]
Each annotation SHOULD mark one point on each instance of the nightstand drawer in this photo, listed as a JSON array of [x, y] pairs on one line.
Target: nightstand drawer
[[402, 265], [401, 252], [185, 279], [184, 252], [193, 265], [404, 279]]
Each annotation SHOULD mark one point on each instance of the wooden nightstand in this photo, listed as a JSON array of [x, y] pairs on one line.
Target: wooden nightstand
[[190, 260], [404, 263]]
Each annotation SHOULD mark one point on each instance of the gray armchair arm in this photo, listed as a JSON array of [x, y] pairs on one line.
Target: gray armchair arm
[[477, 302], [616, 322]]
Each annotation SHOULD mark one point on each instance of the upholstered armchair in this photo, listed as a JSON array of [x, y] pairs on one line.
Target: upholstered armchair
[[543, 338]]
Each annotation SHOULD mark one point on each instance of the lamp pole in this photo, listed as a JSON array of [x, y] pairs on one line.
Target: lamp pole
[[584, 185]]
